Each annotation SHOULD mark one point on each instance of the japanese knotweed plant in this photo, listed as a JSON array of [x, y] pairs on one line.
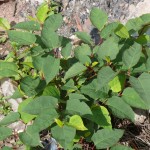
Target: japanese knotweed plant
[[76, 96]]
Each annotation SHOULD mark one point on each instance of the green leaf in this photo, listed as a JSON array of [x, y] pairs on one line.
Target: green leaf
[[10, 118], [51, 90], [92, 91], [141, 86], [8, 69], [40, 104], [75, 106], [101, 116], [3, 39], [98, 18], [17, 93], [74, 70], [143, 39], [120, 109], [30, 137], [59, 122], [132, 55], [66, 51], [131, 97], [37, 62], [77, 96], [120, 147], [37, 50], [109, 30], [42, 62], [42, 12], [50, 68], [145, 18], [105, 75], [86, 38], [25, 116], [148, 64], [77, 122], [77, 146], [45, 119], [141, 65], [22, 38], [105, 50], [122, 31], [4, 133], [4, 24], [6, 148], [134, 25], [63, 41], [117, 83], [50, 38], [69, 86], [64, 135], [37, 57], [82, 53], [28, 25], [32, 86], [53, 22], [106, 138]]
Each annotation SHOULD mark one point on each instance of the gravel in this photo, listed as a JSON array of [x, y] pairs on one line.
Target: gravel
[[75, 12], [80, 9]]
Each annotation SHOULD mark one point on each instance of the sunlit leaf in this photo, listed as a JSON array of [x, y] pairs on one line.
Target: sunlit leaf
[[77, 122], [4, 24]]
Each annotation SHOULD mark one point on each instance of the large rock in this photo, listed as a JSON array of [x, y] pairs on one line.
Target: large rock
[[7, 88], [140, 9]]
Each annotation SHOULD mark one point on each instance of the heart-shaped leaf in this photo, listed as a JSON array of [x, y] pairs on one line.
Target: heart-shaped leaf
[[40, 105], [10, 118], [106, 137], [77, 122], [4, 133], [120, 109], [98, 18], [64, 135], [22, 38]]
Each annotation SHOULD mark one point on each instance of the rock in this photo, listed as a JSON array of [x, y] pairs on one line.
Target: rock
[[17, 126], [140, 116], [141, 8], [116, 10], [35, 2], [7, 88]]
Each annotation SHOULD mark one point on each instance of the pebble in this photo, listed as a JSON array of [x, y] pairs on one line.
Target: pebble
[[132, 7]]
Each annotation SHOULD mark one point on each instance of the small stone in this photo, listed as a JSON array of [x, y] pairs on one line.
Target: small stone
[[127, 1], [8, 144], [126, 6], [132, 8], [12, 141], [122, 17], [115, 1], [17, 126], [140, 116], [72, 30], [1, 144]]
